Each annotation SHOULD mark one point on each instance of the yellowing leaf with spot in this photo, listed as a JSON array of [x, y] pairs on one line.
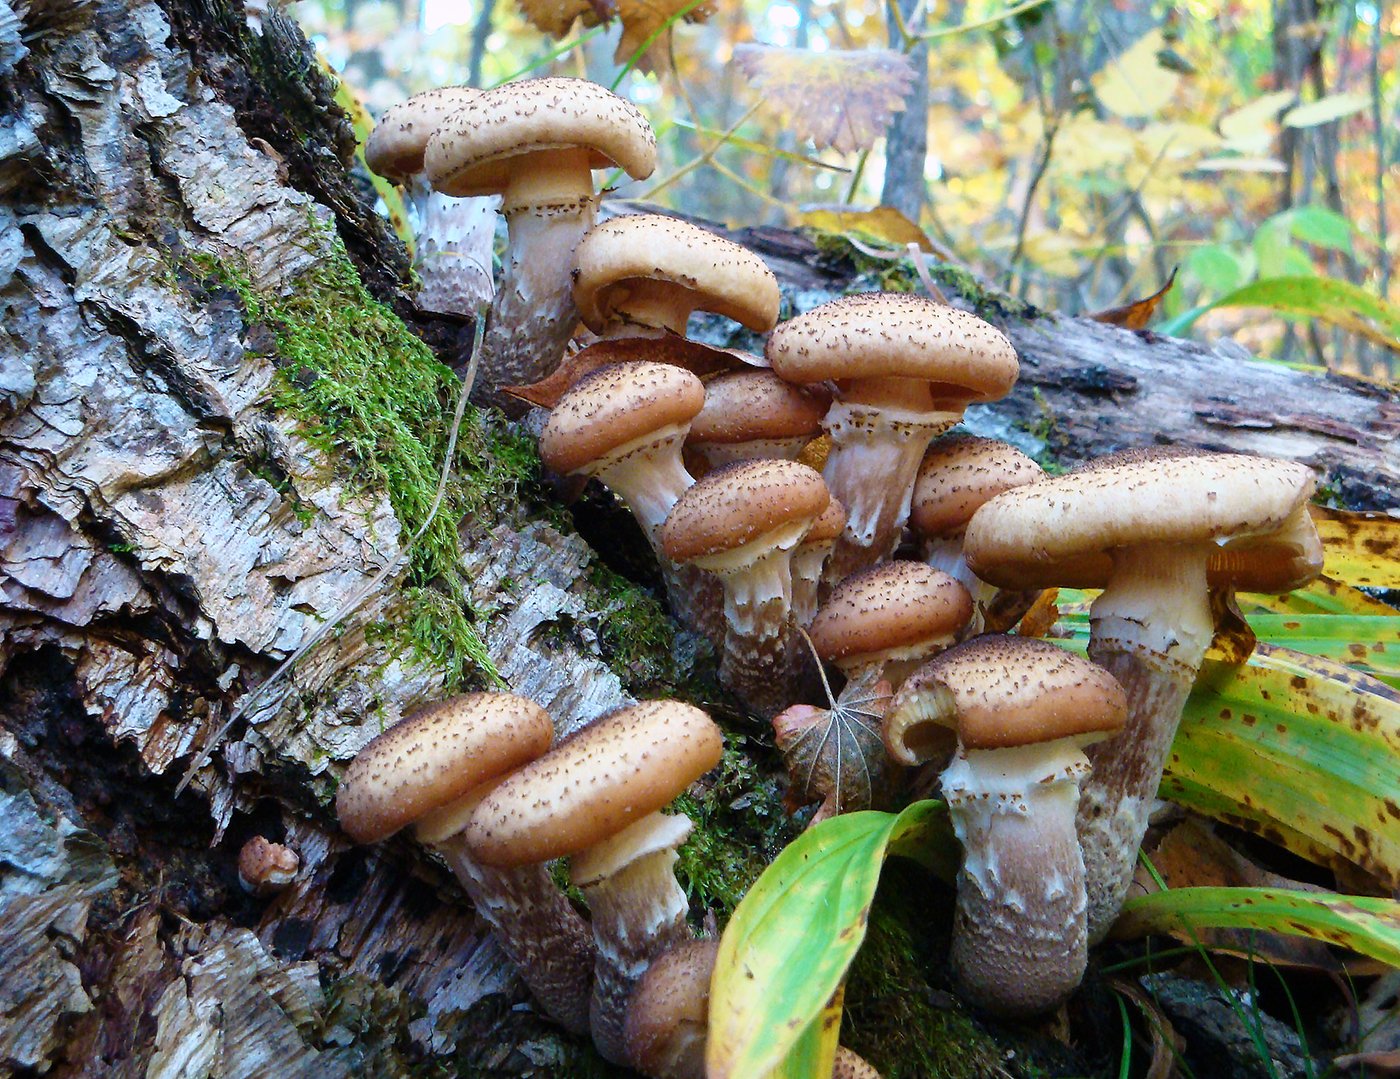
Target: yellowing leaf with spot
[[1133, 83], [1251, 128], [1359, 548], [839, 98], [1325, 109], [883, 223]]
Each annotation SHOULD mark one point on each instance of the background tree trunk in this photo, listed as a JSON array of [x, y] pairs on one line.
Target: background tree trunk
[[170, 530]]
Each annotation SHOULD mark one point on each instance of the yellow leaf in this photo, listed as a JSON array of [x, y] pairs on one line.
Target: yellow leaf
[[1054, 252], [1085, 145], [1360, 548], [1240, 164], [1251, 128], [1325, 109], [642, 18], [1134, 83], [883, 223], [1175, 141], [840, 98]]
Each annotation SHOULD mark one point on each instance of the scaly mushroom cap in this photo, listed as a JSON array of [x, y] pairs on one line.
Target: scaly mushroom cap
[[1062, 530], [595, 783], [826, 527], [893, 606], [958, 474], [850, 1066], [741, 503], [1000, 691], [435, 757], [717, 274], [475, 153], [745, 406], [668, 1017], [613, 407], [395, 147], [896, 335]]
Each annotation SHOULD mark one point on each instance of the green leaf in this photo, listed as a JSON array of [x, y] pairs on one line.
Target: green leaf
[[1364, 924], [1322, 596], [1338, 302], [786, 950], [1216, 267], [1273, 246], [1320, 226]]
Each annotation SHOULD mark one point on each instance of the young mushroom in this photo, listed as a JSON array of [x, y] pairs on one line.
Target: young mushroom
[[904, 368], [536, 143], [596, 796], [668, 1017], [750, 415], [1023, 710], [430, 770], [265, 867], [958, 474], [1158, 531], [641, 275], [742, 523]]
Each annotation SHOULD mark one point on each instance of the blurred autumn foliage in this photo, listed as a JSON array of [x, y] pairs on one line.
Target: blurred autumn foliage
[[1077, 152]]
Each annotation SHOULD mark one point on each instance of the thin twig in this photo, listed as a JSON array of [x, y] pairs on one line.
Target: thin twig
[[369, 588]]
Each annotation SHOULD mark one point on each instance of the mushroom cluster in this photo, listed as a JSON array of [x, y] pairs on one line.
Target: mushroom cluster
[[882, 562]]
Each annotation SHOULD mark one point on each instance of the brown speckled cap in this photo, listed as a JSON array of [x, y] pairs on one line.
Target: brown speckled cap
[[890, 606], [436, 756], [850, 1066], [395, 147], [958, 474], [1014, 691], [827, 526], [614, 406], [716, 274], [668, 1015], [1061, 530], [740, 503], [895, 335], [745, 406], [476, 152], [595, 783]]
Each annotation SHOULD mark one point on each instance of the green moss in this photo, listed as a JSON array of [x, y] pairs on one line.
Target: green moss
[[1046, 430], [371, 396], [740, 826], [899, 275]]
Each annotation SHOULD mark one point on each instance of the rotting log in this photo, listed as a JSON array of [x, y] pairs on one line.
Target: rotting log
[[170, 529]]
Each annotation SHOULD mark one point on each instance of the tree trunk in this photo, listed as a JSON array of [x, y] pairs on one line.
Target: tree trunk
[[183, 258]]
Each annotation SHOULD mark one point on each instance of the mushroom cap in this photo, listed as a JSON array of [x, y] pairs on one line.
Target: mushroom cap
[[474, 153], [739, 503], [958, 474], [668, 1014], [595, 783], [827, 526], [889, 606], [1061, 530], [744, 406], [1014, 691], [616, 405], [848, 1065], [895, 335], [725, 277], [395, 147], [436, 756]]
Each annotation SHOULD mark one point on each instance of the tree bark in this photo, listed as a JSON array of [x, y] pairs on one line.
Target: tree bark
[[169, 531]]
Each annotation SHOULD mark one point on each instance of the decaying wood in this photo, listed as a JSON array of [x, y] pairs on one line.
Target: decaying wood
[[150, 575]]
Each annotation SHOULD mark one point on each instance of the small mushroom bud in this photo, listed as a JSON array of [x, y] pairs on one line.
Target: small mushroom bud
[[1158, 531], [430, 770], [265, 867], [750, 415], [597, 796], [668, 1017], [1023, 710]]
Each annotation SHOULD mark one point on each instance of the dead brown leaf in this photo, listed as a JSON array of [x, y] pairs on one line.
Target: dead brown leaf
[[1038, 618], [842, 98], [555, 17], [640, 20], [1136, 315]]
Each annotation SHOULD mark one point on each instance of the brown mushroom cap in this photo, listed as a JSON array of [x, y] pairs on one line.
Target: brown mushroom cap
[[740, 503], [595, 783], [1062, 530], [722, 276], [745, 406], [1015, 691], [958, 474], [668, 1016], [395, 147], [475, 153], [850, 1066], [436, 756], [614, 406], [889, 606], [895, 335], [828, 526]]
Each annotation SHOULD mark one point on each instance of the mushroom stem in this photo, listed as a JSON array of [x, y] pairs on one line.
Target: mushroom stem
[[1019, 943], [874, 459], [638, 912], [649, 308], [1149, 629], [650, 476], [946, 554], [539, 930]]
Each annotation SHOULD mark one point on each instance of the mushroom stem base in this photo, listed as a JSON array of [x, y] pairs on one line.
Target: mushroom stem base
[[550, 945]]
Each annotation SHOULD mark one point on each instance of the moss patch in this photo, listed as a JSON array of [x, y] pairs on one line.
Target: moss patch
[[371, 396]]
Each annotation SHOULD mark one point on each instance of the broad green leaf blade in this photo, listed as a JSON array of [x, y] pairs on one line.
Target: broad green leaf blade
[[1288, 745], [813, 1055], [1364, 924], [786, 950], [1338, 302]]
